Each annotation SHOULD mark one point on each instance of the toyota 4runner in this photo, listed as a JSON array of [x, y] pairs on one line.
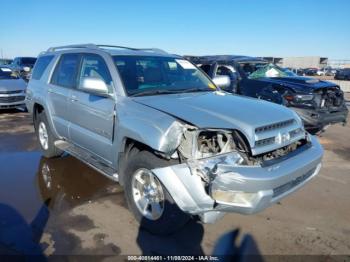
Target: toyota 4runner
[[178, 145]]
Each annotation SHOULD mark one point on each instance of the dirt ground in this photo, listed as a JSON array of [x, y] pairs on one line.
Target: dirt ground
[[77, 211]]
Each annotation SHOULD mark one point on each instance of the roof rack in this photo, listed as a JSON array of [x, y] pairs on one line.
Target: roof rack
[[52, 49], [133, 49], [93, 46]]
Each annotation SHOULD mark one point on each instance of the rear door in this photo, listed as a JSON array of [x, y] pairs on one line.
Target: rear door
[[92, 116], [62, 82]]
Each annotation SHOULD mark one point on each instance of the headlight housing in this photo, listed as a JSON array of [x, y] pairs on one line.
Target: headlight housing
[[237, 198], [208, 168], [304, 97]]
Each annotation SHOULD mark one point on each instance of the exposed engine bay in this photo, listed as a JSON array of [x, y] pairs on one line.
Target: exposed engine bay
[[329, 97], [198, 144]]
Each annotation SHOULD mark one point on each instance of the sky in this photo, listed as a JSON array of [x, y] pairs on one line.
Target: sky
[[185, 27]]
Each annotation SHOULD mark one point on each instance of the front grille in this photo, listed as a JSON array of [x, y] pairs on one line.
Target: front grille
[[10, 92], [271, 140], [288, 186], [11, 99], [274, 126], [265, 142]]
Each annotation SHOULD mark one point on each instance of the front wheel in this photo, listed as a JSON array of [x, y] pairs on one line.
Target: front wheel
[[148, 199], [45, 137]]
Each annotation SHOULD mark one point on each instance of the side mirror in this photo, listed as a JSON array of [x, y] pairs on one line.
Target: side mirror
[[222, 81], [95, 86]]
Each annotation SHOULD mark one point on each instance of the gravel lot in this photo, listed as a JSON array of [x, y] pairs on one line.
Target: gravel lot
[[78, 211]]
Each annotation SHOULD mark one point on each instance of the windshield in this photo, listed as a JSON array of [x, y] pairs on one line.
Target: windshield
[[28, 61], [264, 70], [6, 73], [148, 75]]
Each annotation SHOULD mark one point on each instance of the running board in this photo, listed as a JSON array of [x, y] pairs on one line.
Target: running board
[[87, 159]]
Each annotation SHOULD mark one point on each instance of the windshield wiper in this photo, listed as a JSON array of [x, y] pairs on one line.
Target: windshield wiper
[[190, 90], [167, 91], [154, 92]]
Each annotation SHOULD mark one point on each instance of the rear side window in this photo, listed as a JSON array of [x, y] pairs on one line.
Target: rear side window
[[40, 66], [65, 73]]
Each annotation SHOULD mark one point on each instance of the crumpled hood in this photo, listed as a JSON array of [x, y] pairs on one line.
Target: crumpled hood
[[219, 110], [12, 85], [299, 84]]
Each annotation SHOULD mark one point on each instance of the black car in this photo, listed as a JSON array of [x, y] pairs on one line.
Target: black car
[[318, 103], [343, 74]]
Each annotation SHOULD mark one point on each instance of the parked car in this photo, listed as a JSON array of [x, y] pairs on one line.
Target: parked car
[[343, 74], [12, 89], [327, 71], [297, 71], [179, 146], [23, 66], [5, 61], [310, 71], [318, 103]]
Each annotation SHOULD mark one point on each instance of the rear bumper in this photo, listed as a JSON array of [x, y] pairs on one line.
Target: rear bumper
[[319, 119], [257, 187]]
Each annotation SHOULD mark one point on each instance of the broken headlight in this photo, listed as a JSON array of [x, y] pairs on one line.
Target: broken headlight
[[197, 144], [209, 168], [298, 97], [304, 97], [211, 143]]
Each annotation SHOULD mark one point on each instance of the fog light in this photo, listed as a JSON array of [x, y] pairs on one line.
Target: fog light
[[234, 197]]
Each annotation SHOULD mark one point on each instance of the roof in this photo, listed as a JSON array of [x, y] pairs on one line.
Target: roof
[[215, 58], [112, 50]]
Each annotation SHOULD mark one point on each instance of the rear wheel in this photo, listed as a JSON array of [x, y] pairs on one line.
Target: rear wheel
[[45, 137], [148, 199]]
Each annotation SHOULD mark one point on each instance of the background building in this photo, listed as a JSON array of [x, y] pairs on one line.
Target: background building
[[305, 62]]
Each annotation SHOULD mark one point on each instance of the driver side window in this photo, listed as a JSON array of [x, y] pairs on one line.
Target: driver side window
[[228, 70], [224, 70], [94, 66]]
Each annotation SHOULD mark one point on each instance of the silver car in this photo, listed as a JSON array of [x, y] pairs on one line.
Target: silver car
[[179, 146], [12, 89]]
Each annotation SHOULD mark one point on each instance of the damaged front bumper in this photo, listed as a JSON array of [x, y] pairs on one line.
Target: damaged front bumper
[[238, 188], [319, 118]]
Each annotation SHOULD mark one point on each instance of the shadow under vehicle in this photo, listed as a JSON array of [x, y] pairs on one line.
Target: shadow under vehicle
[[318, 103]]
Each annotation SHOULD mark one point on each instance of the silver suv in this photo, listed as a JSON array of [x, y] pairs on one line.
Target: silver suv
[[178, 145]]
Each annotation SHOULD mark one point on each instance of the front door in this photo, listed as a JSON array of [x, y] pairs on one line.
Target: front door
[[92, 116]]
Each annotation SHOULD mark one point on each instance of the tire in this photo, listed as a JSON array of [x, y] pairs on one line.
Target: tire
[[171, 218], [48, 148]]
